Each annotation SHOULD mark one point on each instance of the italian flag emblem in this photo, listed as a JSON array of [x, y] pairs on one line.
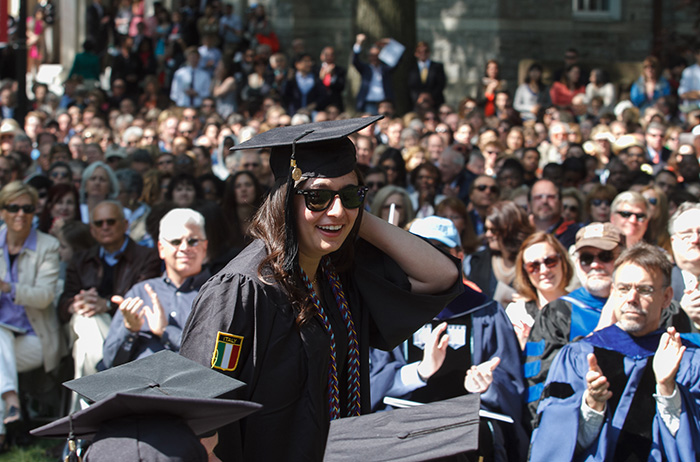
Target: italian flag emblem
[[227, 351]]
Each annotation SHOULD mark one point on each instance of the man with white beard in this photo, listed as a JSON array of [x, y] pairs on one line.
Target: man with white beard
[[574, 315]]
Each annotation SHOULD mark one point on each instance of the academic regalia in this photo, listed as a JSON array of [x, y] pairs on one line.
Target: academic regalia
[[559, 323], [284, 366], [245, 326], [479, 330], [632, 427]]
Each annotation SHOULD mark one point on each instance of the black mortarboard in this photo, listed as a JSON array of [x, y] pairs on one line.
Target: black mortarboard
[[152, 409], [162, 374], [316, 150], [426, 432], [320, 149]]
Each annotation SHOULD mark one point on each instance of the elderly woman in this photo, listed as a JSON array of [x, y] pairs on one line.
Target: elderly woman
[[542, 272], [293, 314], [99, 183], [629, 215], [29, 331]]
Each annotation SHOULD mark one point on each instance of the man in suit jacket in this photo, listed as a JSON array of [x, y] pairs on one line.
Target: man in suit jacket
[[97, 24], [376, 83], [426, 76]]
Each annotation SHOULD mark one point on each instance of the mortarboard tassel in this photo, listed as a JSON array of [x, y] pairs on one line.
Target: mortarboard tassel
[[72, 445], [290, 241]]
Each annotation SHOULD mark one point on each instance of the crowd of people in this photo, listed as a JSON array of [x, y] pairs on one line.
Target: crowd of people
[[119, 203]]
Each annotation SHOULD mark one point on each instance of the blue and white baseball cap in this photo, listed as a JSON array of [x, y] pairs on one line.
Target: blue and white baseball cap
[[438, 228]]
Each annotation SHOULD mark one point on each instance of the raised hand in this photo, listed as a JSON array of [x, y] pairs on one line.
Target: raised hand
[[479, 378], [130, 309], [434, 352], [667, 359], [154, 314], [597, 394]]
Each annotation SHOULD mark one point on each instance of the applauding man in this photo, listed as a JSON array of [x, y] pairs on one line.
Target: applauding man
[[152, 314], [629, 389]]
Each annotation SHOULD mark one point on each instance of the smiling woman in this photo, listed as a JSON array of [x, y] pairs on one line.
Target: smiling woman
[[297, 310], [29, 331]]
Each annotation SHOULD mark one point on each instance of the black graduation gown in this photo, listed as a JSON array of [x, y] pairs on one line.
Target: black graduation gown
[[286, 367]]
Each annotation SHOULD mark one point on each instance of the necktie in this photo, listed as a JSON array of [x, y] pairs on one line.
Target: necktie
[[192, 87], [424, 73]]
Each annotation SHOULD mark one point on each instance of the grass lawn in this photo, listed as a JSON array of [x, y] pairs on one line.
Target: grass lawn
[[41, 450]]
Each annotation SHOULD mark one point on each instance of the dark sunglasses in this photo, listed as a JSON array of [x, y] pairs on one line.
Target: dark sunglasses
[[587, 258], [534, 266], [599, 202], [573, 208], [484, 187], [627, 215], [14, 208], [375, 184], [191, 242], [318, 200], [109, 221], [652, 200]]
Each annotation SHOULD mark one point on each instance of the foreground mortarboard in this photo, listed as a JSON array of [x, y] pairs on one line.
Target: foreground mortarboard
[[202, 415], [152, 409], [322, 148], [162, 374], [419, 433]]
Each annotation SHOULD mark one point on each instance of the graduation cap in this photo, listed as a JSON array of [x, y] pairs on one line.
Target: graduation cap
[[162, 374], [315, 150], [150, 409], [439, 429]]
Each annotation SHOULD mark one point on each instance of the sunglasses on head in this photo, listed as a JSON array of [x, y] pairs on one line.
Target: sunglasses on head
[[627, 215], [587, 258], [599, 202], [534, 266], [109, 221], [484, 187], [14, 208], [318, 200], [191, 242]]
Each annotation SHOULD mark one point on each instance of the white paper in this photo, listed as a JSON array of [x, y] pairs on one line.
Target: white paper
[[391, 53]]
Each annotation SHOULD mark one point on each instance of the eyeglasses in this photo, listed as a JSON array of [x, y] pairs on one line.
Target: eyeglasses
[[599, 202], [483, 187], [652, 200], [534, 266], [14, 208], [586, 258], [59, 174], [644, 290], [573, 208], [641, 217], [191, 242], [688, 234], [108, 221], [375, 184], [318, 200]]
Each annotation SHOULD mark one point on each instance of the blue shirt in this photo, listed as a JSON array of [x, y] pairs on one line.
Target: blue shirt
[[10, 313], [177, 304]]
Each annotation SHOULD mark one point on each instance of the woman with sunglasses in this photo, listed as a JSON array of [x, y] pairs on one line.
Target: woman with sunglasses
[[294, 314], [542, 272], [630, 216], [598, 203], [29, 330]]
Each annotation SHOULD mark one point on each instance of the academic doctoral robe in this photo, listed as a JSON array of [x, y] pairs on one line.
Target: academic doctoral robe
[[285, 366], [632, 429]]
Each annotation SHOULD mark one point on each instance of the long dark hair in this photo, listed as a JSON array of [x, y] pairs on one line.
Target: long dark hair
[[230, 206], [55, 194], [269, 226]]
